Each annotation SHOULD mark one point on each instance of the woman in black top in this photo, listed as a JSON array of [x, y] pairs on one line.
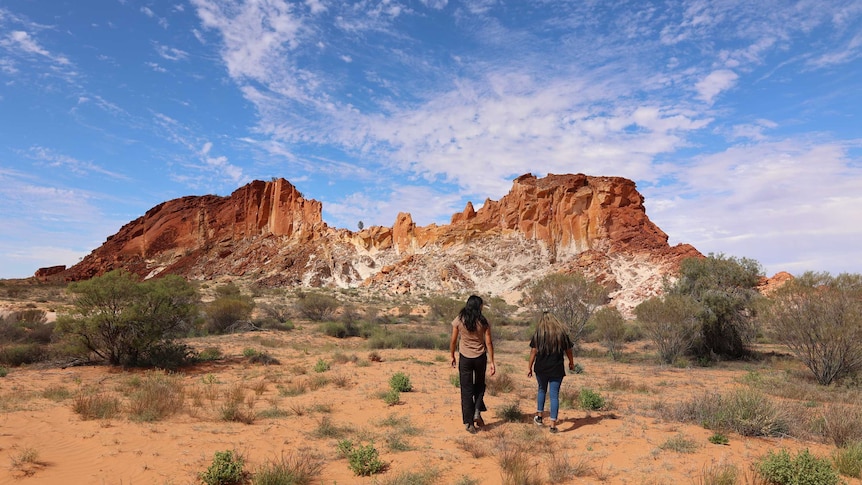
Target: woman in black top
[[547, 348]]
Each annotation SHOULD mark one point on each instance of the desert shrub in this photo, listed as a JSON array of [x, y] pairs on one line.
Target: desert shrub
[[209, 354], [719, 474], [229, 311], [56, 392], [842, 424], [516, 466], [316, 306], [590, 400], [502, 383], [819, 318], [28, 326], [4, 371], [671, 323], [848, 460], [803, 469], [680, 444], [718, 439], [235, 408], [321, 366], [225, 469], [610, 328], [572, 298], [19, 354], [296, 469], [121, 319], [400, 382], [725, 288], [168, 355], [392, 397], [744, 411], [340, 329], [425, 477], [510, 412], [276, 313], [95, 405], [365, 460], [443, 308], [158, 396], [408, 340], [455, 380]]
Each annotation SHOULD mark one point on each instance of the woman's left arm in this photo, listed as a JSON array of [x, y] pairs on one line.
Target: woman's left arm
[[489, 344]]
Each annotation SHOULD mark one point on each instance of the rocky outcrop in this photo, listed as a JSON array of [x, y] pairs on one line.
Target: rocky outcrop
[[268, 232]]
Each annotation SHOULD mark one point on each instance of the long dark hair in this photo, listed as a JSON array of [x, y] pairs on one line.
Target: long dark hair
[[471, 314]]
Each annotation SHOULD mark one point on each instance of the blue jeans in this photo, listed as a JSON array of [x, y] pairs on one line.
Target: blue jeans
[[552, 383]]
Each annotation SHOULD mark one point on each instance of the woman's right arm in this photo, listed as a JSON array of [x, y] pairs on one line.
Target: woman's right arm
[[453, 343], [532, 361]]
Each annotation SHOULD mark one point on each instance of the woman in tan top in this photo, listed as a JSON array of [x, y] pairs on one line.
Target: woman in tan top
[[471, 332]]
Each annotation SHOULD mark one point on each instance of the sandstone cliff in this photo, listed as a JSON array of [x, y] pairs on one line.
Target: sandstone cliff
[[268, 232]]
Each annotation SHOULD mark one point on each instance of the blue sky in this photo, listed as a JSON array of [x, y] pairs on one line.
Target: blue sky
[[740, 121]]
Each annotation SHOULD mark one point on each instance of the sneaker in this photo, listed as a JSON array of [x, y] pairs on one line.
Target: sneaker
[[553, 429], [479, 422], [537, 420], [471, 429]]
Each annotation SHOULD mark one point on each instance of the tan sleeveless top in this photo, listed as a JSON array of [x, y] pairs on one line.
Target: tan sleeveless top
[[471, 344]]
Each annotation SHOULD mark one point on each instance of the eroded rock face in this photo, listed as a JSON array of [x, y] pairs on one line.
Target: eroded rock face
[[269, 232]]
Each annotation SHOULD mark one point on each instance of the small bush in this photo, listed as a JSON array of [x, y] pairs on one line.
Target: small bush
[[721, 474], [510, 413], [400, 382], [297, 469], [803, 469], [590, 400], [226, 469], [455, 380], [718, 439], [56, 392], [321, 366], [317, 306], [579, 369], [160, 395], [392, 397], [848, 460], [20, 354], [4, 372], [365, 460], [679, 444], [745, 411], [209, 354], [95, 405], [502, 383], [340, 329], [842, 424], [516, 466]]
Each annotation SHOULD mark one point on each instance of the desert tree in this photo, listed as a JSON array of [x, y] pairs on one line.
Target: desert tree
[[317, 306], [610, 328], [726, 289], [671, 322], [126, 321], [572, 298], [819, 318]]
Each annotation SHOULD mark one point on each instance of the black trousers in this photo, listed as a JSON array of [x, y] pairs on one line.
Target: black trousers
[[472, 376]]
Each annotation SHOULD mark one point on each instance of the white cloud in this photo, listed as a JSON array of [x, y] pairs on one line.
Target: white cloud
[[171, 53], [714, 83], [27, 44]]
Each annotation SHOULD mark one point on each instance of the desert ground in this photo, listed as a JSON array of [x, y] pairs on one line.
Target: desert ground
[[313, 392], [297, 409]]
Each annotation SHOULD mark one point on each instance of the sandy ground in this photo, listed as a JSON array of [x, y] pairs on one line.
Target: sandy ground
[[622, 445]]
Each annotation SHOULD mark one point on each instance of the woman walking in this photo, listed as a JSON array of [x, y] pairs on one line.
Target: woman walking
[[547, 348], [471, 334]]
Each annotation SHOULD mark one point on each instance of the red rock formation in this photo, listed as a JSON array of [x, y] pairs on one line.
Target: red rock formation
[[268, 232]]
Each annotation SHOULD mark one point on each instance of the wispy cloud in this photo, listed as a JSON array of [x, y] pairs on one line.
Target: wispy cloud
[[48, 157]]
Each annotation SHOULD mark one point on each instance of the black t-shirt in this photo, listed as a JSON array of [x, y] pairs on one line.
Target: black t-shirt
[[550, 365]]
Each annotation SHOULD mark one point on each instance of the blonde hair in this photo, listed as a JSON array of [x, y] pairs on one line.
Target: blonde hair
[[551, 335]]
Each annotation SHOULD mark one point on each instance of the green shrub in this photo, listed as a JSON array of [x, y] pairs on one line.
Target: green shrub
[[590, 400], [317, 306], [455, 380], [4, 372], [401, 339], [679, 444], [744, 411], [400, 382], [20, 354], [321, 366], [718, 439], [803, 469], [340, 329], [392, 397], [209, 354], [365, 460], [226, 469], [848, 460]]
